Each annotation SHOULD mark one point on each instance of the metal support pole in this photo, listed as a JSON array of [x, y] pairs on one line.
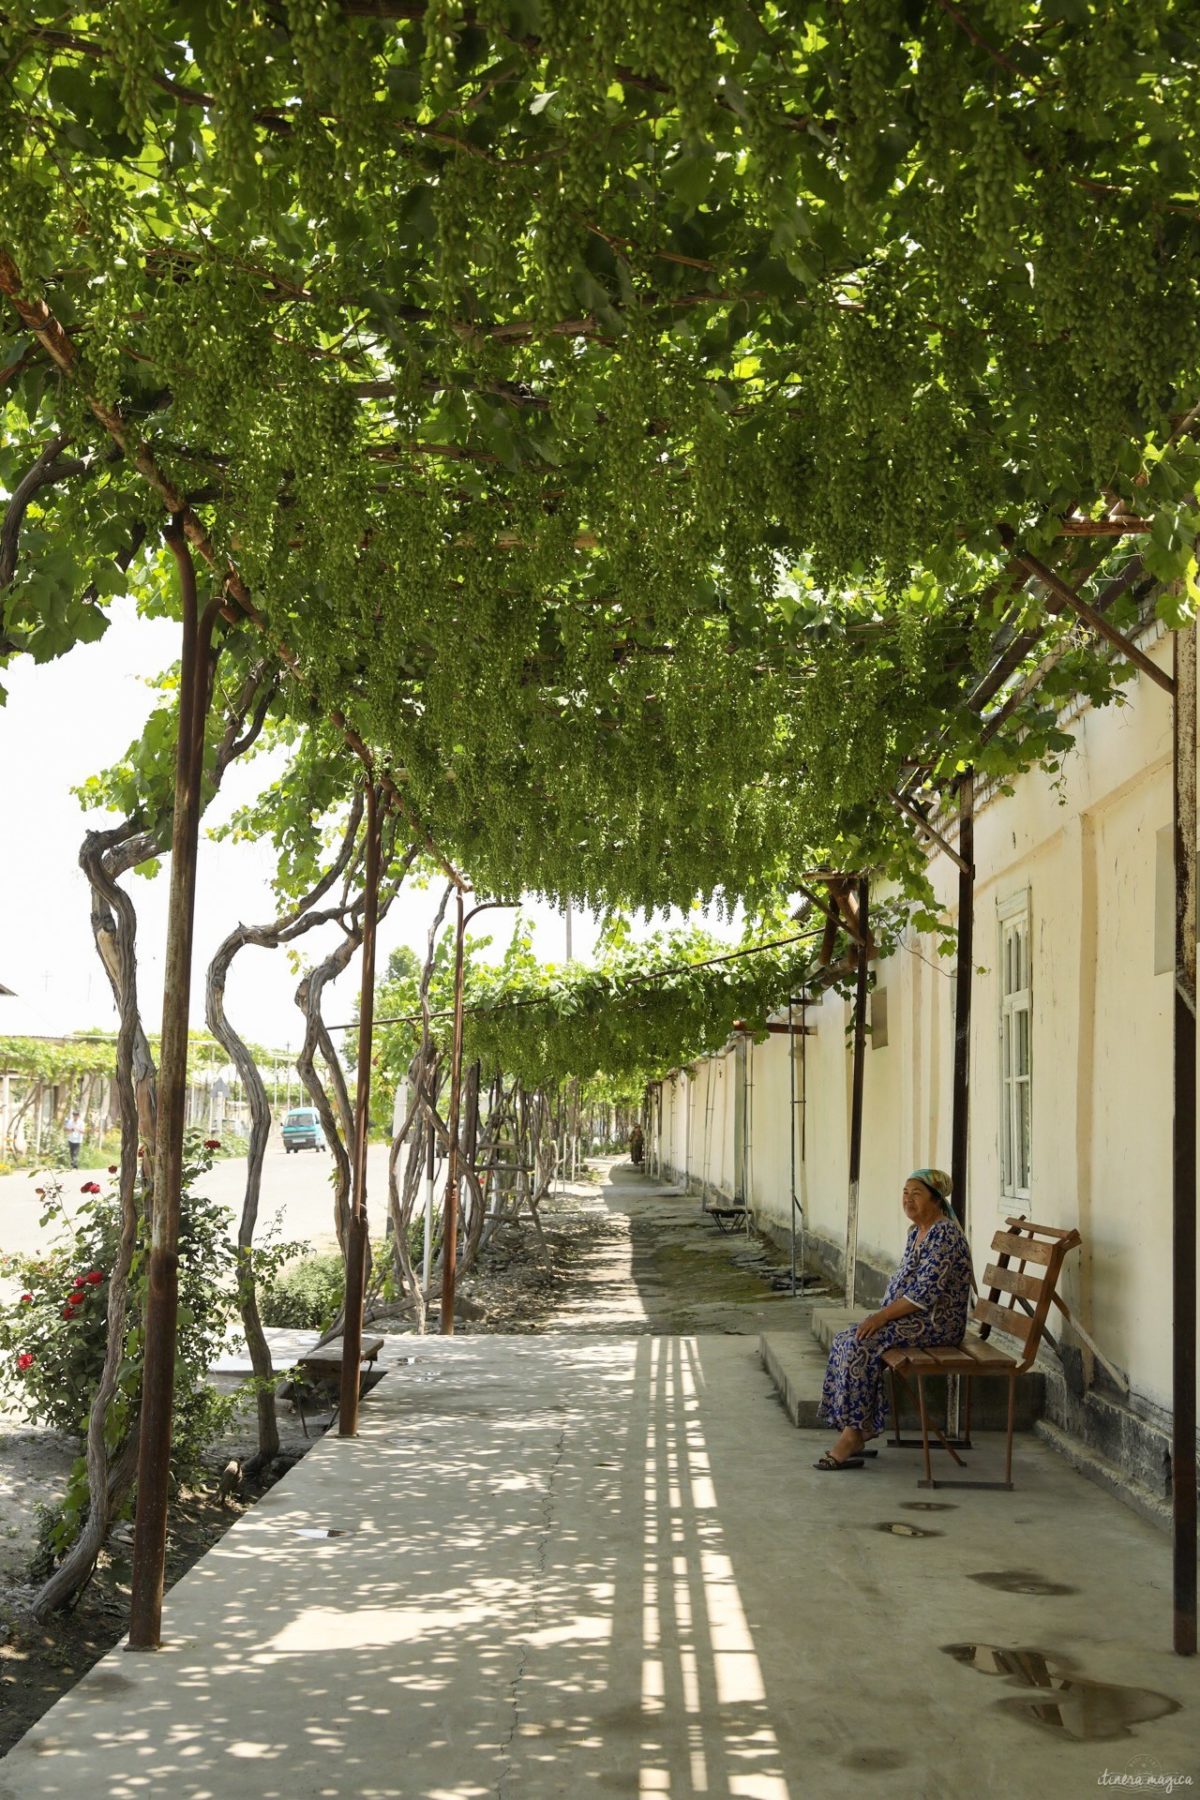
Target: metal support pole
[[162, 1299], [961, 1115], [856, 1093], [427, 1261], [962, 998], [356, 1233], [792, 1123], [1067, 596], [450, 1228], [1183, 1345]]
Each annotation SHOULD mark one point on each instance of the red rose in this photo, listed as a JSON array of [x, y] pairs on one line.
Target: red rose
[[212, 1143], [68, 1312], [26, 1299], [25, 1360], [78, 1281], [94, 1275], [90, 1187], [112, 1168]]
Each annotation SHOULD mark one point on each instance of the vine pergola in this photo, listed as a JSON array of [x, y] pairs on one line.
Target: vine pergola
[[670, 452]]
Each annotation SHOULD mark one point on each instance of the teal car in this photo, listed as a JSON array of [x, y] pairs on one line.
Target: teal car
[[302, 1130]]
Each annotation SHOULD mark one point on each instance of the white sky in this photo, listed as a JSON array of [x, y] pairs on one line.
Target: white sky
[[68, 719]]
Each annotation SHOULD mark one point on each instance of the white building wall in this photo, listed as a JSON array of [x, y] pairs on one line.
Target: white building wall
[[1084, 846]]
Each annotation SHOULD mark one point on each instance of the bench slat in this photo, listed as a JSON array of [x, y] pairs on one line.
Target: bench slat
[[1003, 1318], [1024, 1249], [329, 1356], [1054, 1231], [974, 1356], [1028, 1287], [983, 1352]]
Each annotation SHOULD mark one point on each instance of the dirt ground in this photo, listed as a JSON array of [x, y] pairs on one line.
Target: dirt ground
[[621, 1255]]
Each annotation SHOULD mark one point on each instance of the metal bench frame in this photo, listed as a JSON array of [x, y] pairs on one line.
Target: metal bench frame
[[318, 1368]]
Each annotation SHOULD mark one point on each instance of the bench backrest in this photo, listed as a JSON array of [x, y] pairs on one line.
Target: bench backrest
[[1022, 1281]]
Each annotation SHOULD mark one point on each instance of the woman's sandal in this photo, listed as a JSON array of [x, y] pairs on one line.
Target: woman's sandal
[[831, 1462]]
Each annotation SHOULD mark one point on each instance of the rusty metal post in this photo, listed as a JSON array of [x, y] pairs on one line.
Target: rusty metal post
[[162, 1299], [856, 1093], [959, 1129], [356, 1231], [471, 1126], [961, 1115], [450, 1225], [1183, 1346]]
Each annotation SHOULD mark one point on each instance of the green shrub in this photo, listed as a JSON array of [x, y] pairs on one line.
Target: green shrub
[[307, 1295]]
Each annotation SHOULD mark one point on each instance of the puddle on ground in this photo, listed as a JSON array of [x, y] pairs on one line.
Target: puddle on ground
[[901, 1528], [928, 1506], [1063, 1701], [1021, 1581], [874, 1761]]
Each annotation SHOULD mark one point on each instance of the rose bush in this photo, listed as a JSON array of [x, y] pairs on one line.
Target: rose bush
[[52, 1338]]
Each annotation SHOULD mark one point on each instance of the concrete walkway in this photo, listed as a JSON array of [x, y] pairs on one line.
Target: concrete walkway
[[576, 1562]]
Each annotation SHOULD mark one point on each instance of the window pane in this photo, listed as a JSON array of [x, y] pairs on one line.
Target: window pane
[[1021, 1042], [1006, 1157], [1025, 1127]]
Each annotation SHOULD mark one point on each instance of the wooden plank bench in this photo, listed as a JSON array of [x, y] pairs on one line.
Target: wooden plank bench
[[1022, 1282], [321, 1370]]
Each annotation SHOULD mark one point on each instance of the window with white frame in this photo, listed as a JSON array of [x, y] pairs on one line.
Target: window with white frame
[[1016, 1073]]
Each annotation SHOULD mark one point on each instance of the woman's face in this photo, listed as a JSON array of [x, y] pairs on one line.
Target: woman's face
[[920, 1205]]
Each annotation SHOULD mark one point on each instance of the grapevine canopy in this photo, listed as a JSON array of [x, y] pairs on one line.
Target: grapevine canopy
[[620, 416]]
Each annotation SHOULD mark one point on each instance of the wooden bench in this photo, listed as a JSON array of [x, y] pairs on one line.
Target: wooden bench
[[725, 1218], [322, 1369], [1021, 1285]]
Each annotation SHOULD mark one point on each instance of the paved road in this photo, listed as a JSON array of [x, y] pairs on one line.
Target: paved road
[[297, 1186]]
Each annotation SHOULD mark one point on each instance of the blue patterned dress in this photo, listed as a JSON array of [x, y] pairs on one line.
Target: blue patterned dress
[[936, 1274]]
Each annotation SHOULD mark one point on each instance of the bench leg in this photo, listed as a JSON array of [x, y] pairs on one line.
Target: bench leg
[[928, 1481]]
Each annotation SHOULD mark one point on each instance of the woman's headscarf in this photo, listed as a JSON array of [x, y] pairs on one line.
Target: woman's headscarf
[[939, 1184]]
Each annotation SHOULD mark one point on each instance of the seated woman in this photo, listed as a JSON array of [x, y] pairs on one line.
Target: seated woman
[[926, 1303]]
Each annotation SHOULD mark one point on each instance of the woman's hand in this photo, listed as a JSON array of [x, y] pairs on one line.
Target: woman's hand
[[871, 1324]]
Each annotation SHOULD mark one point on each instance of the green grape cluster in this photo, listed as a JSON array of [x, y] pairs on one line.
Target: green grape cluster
[[443, 21], [128, 33], [314, 33]]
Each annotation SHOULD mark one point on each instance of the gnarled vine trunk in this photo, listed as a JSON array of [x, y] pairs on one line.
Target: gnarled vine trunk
[[110, 1477], [284, 930], [104, 857]]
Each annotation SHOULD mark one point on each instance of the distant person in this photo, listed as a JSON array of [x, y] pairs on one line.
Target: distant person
[[74, 1130], [637, 1146]]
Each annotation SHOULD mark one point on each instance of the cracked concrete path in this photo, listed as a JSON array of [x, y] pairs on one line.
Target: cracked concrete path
[[602, 1562]]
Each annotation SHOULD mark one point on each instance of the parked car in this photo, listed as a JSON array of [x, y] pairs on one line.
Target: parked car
[[302, 1130]]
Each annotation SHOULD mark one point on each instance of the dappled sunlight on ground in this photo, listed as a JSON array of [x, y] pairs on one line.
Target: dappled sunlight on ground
[[602, 1561], [516, 1582]]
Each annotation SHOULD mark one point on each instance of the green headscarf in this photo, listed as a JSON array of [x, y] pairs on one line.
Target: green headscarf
[[938, 1183]]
